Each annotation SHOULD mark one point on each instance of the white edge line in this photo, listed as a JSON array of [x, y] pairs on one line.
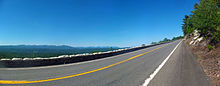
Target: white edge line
[[147, 81]]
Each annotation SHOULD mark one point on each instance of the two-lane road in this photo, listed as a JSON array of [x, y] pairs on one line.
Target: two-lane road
[[129, 69]]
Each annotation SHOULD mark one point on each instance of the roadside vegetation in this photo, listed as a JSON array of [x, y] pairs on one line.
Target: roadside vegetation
[[204, 21], [205, 18], [168, 40]]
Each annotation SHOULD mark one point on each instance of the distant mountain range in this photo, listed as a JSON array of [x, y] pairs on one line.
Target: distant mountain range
[[50, 46], [23, 51], [37, 46]]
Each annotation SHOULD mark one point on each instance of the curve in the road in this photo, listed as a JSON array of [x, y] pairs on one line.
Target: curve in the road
[[99, 69]]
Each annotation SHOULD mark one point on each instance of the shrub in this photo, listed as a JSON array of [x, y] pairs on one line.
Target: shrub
[[210, 47]]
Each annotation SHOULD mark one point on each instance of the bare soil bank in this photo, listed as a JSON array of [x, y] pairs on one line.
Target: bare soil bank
[[208, 59]]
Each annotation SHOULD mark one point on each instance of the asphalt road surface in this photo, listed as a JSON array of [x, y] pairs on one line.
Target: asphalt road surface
[[129, 69]]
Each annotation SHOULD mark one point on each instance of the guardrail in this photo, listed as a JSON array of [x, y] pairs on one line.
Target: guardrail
[[64, 59]]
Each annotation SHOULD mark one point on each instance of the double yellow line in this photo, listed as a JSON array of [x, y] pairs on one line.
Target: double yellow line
[[52, 79]]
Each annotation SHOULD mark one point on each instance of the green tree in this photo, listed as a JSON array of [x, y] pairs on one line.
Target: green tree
[[111, 49], [206, 19], [153, 42], [187, 26]]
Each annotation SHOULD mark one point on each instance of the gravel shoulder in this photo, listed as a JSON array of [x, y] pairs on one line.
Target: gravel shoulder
[[208, 59]]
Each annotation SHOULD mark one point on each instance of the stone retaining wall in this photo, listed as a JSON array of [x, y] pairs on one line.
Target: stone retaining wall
[[64, 59]]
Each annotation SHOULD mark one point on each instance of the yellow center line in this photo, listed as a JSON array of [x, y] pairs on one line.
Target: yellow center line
[[52, 79]]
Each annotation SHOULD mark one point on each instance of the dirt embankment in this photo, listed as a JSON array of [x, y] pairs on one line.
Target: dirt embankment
[[208, 58]]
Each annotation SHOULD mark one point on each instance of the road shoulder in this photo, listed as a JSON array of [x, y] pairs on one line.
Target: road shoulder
[[181, 70]]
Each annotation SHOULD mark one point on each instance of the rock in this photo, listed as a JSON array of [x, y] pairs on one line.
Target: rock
[[54, 57], [5, 59], [27, 58], [191, 42], [37, 58], [16, 59]]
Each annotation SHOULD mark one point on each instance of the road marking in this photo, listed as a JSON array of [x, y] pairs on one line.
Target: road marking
[[53, 66], [52, 79], [147, 81]]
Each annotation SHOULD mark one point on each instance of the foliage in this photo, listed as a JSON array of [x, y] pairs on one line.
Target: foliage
[[153, 42], [168, 40], [96, 51], [210, 47], [165, 40], [205, 18], [187, 26], [111, 49], [176, 38]]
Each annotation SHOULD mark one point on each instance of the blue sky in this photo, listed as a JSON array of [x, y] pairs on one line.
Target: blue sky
[[91, 22]]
